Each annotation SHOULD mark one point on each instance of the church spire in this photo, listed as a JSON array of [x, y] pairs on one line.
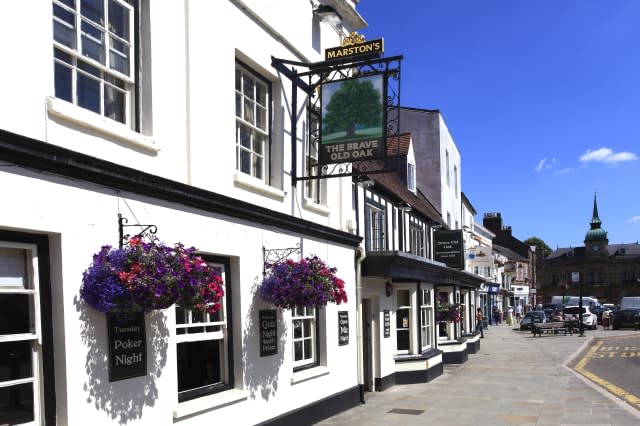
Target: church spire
[[595, 219]]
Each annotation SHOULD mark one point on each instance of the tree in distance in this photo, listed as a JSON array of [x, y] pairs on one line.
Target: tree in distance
[[538, 242], [356, 102]]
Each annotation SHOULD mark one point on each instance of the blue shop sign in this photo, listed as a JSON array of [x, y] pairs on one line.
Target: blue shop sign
[[493, 289]]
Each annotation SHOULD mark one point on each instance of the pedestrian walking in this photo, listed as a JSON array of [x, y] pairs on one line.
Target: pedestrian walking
[[518, 312], [479, 323], [605, 319]]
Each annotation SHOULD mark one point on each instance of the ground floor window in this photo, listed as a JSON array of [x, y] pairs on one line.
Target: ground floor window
[[204, 342], [305, 337], [426, 314], [403, 321], [20, 336]]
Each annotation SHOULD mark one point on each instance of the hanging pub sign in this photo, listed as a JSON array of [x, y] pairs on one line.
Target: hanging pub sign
[[127, 346], [354, 46], [449, 248], [352, 123], [343, 328], [387, 323], [268, 332]]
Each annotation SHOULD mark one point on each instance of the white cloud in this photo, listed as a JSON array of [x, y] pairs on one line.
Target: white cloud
[[564, 171], [545, 164], [635, 219], [606, 155]]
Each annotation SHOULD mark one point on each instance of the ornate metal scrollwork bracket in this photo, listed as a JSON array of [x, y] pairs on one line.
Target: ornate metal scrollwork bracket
[[272, 256], [146, 231]]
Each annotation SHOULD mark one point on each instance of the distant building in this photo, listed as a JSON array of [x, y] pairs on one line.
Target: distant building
[[606, 271]]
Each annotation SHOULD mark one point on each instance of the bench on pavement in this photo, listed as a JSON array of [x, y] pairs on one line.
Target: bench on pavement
[[554, 327]]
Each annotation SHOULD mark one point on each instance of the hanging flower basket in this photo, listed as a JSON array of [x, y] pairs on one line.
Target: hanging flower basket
[[147, 276], [309, 282], [448, 312]]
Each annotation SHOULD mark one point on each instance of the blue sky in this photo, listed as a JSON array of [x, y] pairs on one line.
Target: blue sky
[[542, 98]]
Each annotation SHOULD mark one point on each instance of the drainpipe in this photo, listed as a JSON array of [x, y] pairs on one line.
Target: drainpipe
[[360, 256]]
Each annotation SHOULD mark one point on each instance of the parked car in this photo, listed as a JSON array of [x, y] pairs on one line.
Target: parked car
[[626, 318], [598, 310], [531, 317], [589, 319]]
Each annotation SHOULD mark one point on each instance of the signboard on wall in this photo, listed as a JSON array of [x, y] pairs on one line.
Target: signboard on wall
[[268, 332], [352, 123], [449, 248], [387, 323], [127, 346], [343, 328]]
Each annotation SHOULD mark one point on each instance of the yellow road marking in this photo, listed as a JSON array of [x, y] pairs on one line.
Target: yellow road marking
[[616, 390]]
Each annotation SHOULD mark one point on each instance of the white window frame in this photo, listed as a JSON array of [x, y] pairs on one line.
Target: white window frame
[[35, 334], [410, 327], [300, 316], [101, 70], [377, 227], [416, 239], [256, 147], [426, 318], [220, 333], [411, 177], [448, 168], [315, 189]]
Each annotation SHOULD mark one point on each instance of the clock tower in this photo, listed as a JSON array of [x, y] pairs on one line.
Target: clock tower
[[596, 241]]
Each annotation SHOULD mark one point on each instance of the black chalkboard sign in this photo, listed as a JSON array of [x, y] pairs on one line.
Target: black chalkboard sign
[[387, 323], [268, 332], [127, 346], [343, 328]]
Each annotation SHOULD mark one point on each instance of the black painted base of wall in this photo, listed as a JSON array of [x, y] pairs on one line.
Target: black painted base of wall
[[458, 357], [473, 347], [319, 410], [409, 377]]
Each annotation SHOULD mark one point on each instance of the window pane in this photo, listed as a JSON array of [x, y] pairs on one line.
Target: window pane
[[247, 88], [15, 313], [308, 351], [261, 118], [257, 167], [297, 351], [199, 364], [245, 161], [403, 298], [261, 94], [245, 137], [403, 340], [15, 361], [119, 20], [259, 142], [238, 80], [248, 111], [119, 56], [297, 329], [13, 269], [64, 32], [89, 69], [92, 42], [70, 3], [88, 93], [114, 104], [238, 105], [63, 82], [93, 9], [16, 404]]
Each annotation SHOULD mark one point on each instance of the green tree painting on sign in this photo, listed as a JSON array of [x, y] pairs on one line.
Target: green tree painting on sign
[[353, 112]]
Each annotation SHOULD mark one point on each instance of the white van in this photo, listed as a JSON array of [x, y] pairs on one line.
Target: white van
[[575, 300], [630, 302]]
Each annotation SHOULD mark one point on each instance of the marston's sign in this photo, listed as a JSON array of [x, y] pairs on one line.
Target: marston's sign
[[355, 50]]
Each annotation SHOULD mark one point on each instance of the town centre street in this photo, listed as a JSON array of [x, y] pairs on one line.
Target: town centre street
[[514, 379]]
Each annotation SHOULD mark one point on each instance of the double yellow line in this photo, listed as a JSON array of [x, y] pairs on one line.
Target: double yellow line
[[616, 390]]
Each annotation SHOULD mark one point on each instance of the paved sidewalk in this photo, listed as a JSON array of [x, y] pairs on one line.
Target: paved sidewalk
[[513, 380]]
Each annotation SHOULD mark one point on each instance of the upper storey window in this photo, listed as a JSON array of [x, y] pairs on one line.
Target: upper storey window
[[252, 123], [411, 177], [94, 56]]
